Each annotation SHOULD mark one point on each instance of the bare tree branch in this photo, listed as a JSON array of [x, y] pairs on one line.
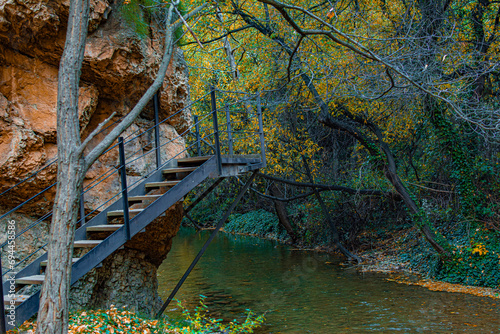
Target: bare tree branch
[[129, 119], [327, 187], [94, 133], [349, 42]]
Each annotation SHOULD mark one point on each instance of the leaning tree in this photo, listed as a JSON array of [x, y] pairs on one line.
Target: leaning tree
[[73, 163]]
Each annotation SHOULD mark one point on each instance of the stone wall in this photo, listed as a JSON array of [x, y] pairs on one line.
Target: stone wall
[[118, 68]]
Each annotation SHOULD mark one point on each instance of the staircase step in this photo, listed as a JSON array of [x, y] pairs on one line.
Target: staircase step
[[179, 170], [193, 160], [44, 263], [143, 198], [18, 299], [35, 279], [119, 213], [161, 184], [104, 228], [86, 243]]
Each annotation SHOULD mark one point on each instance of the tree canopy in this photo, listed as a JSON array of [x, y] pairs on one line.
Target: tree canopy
[[396, 96]]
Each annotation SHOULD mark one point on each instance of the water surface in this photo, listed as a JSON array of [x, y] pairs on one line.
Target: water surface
[[308, 292]]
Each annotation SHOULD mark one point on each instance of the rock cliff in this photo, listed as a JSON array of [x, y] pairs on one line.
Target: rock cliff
[[118, 67]]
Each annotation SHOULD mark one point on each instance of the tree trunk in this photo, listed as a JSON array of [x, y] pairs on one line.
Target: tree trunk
[[72, 165], [282, 214], [53, 312], [424, 227], [333, 228], [229, 50]]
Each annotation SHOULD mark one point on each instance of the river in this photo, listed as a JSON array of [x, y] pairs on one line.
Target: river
[[308, 292]]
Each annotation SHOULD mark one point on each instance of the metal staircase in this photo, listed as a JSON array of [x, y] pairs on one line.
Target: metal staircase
[[142, 203]]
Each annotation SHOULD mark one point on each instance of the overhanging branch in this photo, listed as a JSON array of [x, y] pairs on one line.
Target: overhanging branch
[[324, 187]]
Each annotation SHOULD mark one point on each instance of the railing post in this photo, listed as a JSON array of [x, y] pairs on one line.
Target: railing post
[[229, 134], [261, 131], [123, 176], [219, 225], [3, 327], [82, 209], [156, 100], [198, 139], [216, 130]]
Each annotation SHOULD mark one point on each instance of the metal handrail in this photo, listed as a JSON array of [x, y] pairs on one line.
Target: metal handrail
[[166, 119], [23, 203], [29, 177], [193, 130]]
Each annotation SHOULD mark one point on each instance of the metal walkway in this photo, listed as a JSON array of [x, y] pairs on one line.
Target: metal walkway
[[141, 203]]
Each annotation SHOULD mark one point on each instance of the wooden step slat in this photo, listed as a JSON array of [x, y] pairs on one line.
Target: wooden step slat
[[18, 299], [179, 170], [162, 184], [193, 160], [86, 243], [44, 263], [119, 213], [35, 279], [143, 198], [104, 228]]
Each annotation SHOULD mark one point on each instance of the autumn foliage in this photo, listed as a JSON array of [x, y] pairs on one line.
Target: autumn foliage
[[394, 96]]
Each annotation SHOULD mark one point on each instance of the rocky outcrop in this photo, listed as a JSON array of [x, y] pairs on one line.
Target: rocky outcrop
[[118, 67], [128, 277]]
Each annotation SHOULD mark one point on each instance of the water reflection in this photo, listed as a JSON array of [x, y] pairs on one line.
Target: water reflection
[[307, 292]]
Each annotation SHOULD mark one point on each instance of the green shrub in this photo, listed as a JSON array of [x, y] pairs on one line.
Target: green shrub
[[137, 14], [258, 222]]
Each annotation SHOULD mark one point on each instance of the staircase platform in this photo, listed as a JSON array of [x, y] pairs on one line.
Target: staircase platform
[[226, 159], [18, 299], [119, 213], [143, 198], [178, 170], [86, 243], [44, 263], [162, 184], [104, 228], [192, 160], [34, 279]]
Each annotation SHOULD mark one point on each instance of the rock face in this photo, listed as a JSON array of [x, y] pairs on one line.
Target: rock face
[[118, 68], [128, 276]]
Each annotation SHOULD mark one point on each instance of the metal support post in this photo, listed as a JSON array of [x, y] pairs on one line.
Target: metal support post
[[207, 243], [198, 140], [261, 131], [156, 100], [202, 196], [123, 176], [216, 130], [82, 209], [3, 327], [229, 134]]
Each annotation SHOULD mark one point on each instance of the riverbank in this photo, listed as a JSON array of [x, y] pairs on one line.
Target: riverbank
[[382, 261], [383, 256], [303, 291]]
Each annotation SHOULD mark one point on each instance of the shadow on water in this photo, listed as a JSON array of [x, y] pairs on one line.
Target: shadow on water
[[307, 292]]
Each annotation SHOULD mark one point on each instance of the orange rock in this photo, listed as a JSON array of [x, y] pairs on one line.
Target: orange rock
[[118, 68]]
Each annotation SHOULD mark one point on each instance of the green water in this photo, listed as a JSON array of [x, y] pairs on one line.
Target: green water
[[307, 292]]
